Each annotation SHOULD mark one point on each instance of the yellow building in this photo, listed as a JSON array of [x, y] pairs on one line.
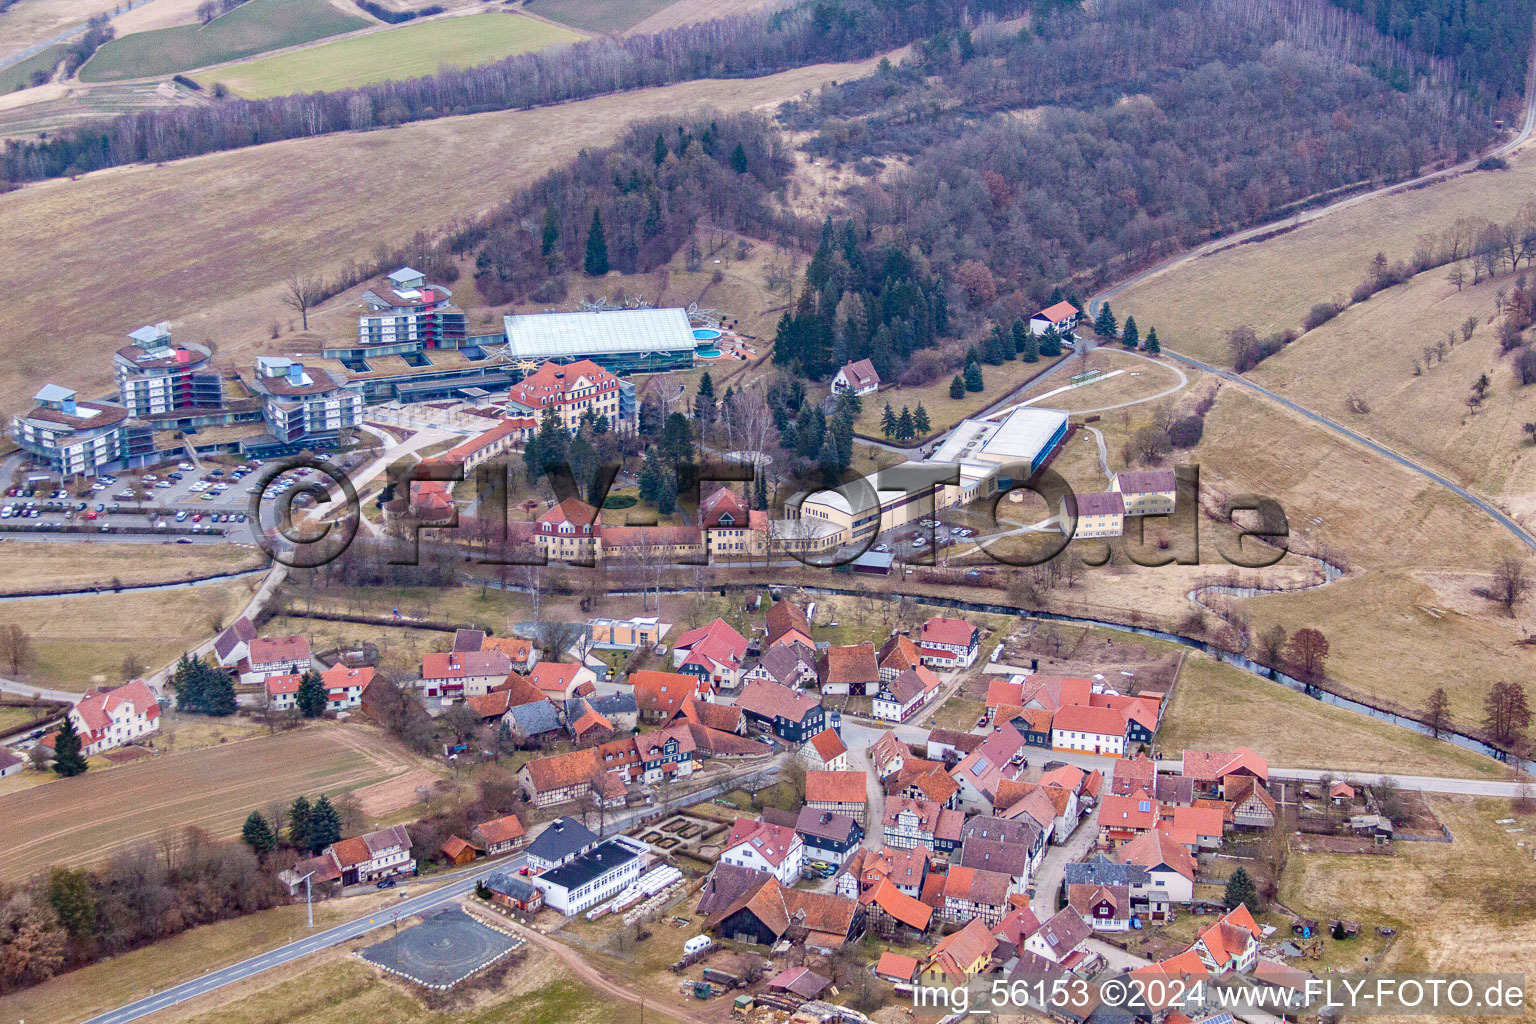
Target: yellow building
[[1100, 514], [1147, 492]]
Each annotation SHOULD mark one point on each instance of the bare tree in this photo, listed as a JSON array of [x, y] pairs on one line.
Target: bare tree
[[1511, 581], [303, 294], [16, 651]]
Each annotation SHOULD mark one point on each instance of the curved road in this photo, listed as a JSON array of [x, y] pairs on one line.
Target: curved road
[[1526, 130]]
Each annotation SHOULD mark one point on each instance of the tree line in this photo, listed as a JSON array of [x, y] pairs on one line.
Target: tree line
[[811, 32], [1488, 41]]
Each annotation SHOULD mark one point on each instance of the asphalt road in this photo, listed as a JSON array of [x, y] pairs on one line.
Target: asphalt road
[[461, 883]]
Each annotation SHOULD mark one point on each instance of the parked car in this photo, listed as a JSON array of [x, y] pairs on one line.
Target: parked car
[[385, 883]]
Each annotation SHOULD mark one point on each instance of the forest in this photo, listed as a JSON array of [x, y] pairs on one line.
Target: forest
[[1059, 159], [1488, 40], [811, 32]]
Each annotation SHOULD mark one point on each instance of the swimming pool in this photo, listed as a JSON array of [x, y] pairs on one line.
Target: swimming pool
[[706, 334], [707, 353]]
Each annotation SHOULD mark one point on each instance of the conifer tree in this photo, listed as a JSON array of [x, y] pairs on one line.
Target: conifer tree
[[311, 697], [67, 759], [596, 263]]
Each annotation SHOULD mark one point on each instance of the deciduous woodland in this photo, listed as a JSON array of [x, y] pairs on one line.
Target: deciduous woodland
[[743, 46]]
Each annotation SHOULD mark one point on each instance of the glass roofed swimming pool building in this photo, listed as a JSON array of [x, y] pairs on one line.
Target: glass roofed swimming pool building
[[621, 341]]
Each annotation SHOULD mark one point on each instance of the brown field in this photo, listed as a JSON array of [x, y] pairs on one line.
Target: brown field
[[1217, 706], [266, 212], [1143, 380], [81, 820], [80, 641], [1270, 285], [383, 798], [28, 566], [1458, 906], [32, 21], [1369, 352]]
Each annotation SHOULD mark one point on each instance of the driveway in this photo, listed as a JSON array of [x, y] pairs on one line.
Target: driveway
[[1053, 868]]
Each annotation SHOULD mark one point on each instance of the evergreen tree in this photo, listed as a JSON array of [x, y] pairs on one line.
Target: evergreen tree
[[920, 422], [218, 691], [1152, 345], [258, 834], [973, 381], [707, 385], [1104, 325], [659, 151], [1050, 343], [549, 237], [1130, 337], [760, 493], [888, 422], [1030, 351], [311, 697], [739, 159], [72, 895], [67, 759], [298, 823], [652, 476], [1241, 890], [596, 263], [676, 442], [666, 495], [904, 427], [188, 682], [957, 387], [324, 825]]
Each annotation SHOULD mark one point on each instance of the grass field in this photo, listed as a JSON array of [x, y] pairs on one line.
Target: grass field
[[396, 54], [943, 411], [1270, 285], [251, 28], [31, 21], [1138, 381], [1217, 706], [86, 818], [683, 12], [19, 75], [103, 243], [120, 979], [600, 16], [1368, 353], [32, 566], [80, 641], [1458, 906]]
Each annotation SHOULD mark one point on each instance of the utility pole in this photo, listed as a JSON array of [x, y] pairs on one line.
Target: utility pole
[[309, 905]]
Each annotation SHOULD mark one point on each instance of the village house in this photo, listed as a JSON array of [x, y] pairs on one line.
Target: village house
[[900, 697], [1001, 757], [562, 841], [521, 654], [888, 754], [926, 780], [1169, 873], [791, 716], [275, 655], [719, 717], [105, 719], [895, 915], [1231, 945], [560, 681], [458, 852], [1211, 770], [787, 624], [770, 911], [1253, 807], [857, 378], [896, 655], [792, 665], [344, 686], [666, 754], [547, 781], [712, 653], [514, 893], [1105, 908], [1062, 317], [960, 956], [949, 643], [848, 670], [912, 823], [951, 745], [372, 856], [828, 836], [775, 849], [907, 869], [976, 893], [1194, 828], [619, 709], [282, 692], [824, 752], [1060, 939], [452, 675], [1123, 818], [566, 533], [501, 835], [1014, 846], [1090, 730], [897, 968], [842, 792], [660, 695], [233, 645]]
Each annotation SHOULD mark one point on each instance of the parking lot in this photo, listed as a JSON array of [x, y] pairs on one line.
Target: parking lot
[[207, 503]]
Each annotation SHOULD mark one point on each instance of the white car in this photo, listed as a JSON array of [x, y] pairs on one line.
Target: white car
[[198, 487]]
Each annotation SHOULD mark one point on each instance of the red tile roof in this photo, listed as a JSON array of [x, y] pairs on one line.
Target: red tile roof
[[854, 664], [785, 617], [939, 630], [268, 650], [571, 510], [661, 691], [770, 700], [464, 664], [501, 830], [1080, 718], [836, 787], [828, 744], [1057, 313], [279, 685], [909, 911], [1156, 849], [561, 770], [772, 842]]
